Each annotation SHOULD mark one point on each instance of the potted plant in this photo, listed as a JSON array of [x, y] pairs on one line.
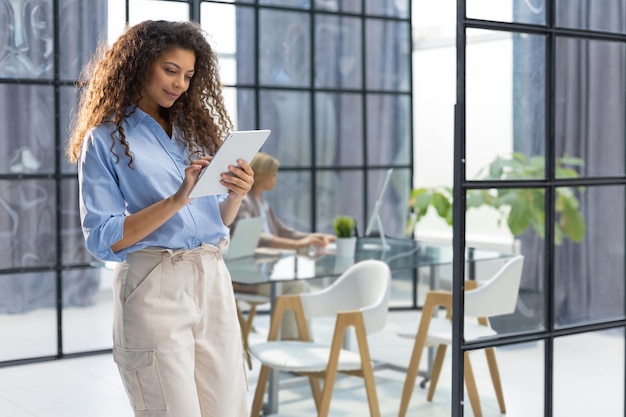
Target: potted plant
[[346, 240], [520, 208]]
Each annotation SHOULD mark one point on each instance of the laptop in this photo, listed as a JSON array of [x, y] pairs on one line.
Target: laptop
[[245, 238]]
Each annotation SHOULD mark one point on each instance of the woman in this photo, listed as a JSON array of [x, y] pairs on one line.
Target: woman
[[276, 234], [150, 115]]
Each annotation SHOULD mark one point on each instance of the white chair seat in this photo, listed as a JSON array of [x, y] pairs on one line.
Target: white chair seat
[[251, 298], [440, 331], [302, 356]]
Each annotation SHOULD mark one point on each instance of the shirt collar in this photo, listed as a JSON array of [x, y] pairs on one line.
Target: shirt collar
[[135, 116]]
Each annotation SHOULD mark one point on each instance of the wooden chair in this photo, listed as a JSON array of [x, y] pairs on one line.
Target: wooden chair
[[497, 296], [358, 299], [252, 300]]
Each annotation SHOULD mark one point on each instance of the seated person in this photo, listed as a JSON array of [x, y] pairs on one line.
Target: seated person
[[276, 234]]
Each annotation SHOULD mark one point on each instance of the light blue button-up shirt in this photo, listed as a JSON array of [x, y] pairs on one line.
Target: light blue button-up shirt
[[110, 190]]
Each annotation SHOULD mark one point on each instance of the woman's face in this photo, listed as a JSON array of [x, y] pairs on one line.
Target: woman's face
[[168, 79], [268, 182]]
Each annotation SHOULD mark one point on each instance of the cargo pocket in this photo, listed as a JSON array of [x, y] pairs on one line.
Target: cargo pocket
[[141, 377]]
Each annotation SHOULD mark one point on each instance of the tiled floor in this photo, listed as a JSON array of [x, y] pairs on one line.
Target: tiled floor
[[90, 386]]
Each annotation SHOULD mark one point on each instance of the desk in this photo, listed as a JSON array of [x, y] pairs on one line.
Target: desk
[[402, 255]]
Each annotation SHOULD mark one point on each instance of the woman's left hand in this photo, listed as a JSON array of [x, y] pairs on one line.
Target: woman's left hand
[[238, 179]]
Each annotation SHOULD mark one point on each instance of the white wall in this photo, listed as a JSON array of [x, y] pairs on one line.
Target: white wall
[[489, 121]]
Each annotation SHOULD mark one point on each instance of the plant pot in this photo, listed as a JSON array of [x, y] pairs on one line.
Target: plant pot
[[346, 247]]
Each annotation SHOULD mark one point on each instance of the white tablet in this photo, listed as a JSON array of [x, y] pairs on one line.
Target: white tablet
[[241, 144]]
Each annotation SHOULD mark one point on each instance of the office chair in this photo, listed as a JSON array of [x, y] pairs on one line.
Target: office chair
[[497, 296], [358, 299]]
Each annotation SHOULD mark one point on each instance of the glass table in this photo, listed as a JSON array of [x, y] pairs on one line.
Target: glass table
[[402, 256]]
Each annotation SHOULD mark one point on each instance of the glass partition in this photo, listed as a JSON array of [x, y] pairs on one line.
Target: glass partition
[[589, 275], [505, 100], [589, 109], [597, 359]]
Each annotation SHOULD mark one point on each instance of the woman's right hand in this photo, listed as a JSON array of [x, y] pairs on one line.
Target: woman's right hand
[[316, 240], [192, 173]]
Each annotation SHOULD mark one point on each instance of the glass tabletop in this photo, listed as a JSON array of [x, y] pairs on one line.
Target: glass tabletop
[[399, 254]]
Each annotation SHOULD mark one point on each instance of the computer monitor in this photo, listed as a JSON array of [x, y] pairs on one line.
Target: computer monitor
[[375, 221]]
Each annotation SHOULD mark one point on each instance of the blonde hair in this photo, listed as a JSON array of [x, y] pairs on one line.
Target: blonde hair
[[263, 164]]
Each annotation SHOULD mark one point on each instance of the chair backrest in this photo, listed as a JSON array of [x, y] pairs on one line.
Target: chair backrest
[[365, 286], [497, 296]]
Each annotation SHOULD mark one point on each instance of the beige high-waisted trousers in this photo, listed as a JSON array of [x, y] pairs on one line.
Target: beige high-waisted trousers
[[177, 341]]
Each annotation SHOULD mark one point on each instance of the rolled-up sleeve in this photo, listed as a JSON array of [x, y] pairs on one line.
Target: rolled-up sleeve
[[102, 206]]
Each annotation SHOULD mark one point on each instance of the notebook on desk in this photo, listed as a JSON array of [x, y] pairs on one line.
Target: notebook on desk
[[245, 239]]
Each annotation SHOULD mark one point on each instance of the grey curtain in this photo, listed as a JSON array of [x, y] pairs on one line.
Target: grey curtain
[[589, 124], [28, 145]]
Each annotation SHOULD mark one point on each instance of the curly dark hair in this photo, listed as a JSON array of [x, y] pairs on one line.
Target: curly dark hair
[[115, 78]]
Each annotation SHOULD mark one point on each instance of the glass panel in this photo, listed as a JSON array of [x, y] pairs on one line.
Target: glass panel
[[589, 276], [599, 358], [68, 105], [26, 39], [521, 368], [388, 129], [394, 209], [292, 198], [81, 26], [72, 239], [338, 57], [501, 120], [392, 8], [388, 57], [347, 6], [339, 129], [304, 4], [231, 34], [607, 16], [285, 48], [87, 309], [27, 223], [338, 193], [27, 315], [518, 11], [499, 221], [589, 113], [141, 10], [434, 86], [241, 106], [27, 134], [288, 115]]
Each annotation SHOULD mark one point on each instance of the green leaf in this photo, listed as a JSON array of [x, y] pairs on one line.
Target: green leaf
[[519, 219], [565, 173], [573, 224], [558, 235], [570, 160], [422, 199], [476, 198], [441, 204]]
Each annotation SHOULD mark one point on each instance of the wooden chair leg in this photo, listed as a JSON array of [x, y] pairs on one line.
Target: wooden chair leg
[[435, 372], [411, 375], [470, 384], [244, 336], [259, 393], [246, 328], [316, 391], [367, 371], [495, 377], [327, 394]]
